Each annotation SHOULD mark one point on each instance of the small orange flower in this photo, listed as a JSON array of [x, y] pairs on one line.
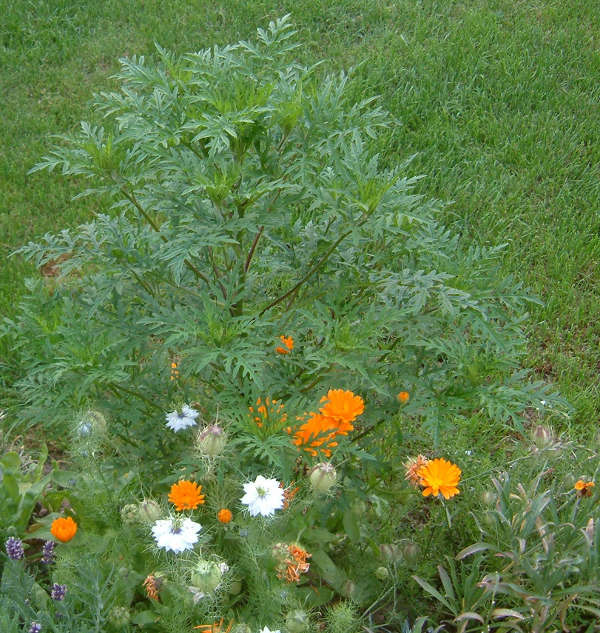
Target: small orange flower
[[439, 476], [152, 584], [185, 495], [288, 494], [224, 515], [269, 414], [403, 397], [174, 371], [63, 529], [412, 466], [584, 489], [288, 342]]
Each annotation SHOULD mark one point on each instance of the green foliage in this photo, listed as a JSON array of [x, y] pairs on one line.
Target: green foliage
[[22, 485], [247, 204]]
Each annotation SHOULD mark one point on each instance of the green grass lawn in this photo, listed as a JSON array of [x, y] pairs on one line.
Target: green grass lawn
[[498, 99]]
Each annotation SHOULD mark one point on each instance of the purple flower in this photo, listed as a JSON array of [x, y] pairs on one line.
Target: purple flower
[[48, 553], [58, 592], [35, 627], [14, 548]]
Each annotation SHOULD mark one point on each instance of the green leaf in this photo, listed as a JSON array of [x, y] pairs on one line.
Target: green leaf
[[351, 524]]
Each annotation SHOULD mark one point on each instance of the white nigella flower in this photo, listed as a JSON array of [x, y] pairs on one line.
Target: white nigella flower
[[175, 534], [266, 629], [182, 420], [263, 496]]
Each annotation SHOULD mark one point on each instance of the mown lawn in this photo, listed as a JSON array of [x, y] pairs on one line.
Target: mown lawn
[[498, 100]]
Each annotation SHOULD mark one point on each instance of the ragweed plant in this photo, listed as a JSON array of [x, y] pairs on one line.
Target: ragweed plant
[[254, 236]]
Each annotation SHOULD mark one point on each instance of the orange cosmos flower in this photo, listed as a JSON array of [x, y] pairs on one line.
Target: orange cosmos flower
[[439, 476], [316, 432], [288, 341], [224, 515], [584, 489], [63, 529], [185, 495], [343, 407], [412, 466], [403, 397]]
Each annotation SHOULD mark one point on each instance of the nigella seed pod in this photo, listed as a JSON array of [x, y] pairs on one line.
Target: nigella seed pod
[[129, 514], [390, 552], [323, 477], [148, 511], [297, 621], [206, 576], [119, 617], [382, 573], [211, 440]]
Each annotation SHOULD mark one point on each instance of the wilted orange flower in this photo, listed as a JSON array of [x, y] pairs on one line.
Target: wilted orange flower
[[439, 476], [293, 564], [288, 494], [288, 342], [152, 584], [63, 529], [185, 495], [403, 397], [584, 489], [224, 515], [412, 466], [215, 627]]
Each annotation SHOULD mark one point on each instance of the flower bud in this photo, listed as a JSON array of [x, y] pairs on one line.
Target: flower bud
[[382, 573], [129, 514], [390, 552], [211, 440], [297, 621], [206, 576], [542, 436], [411, 552], [323, 477], [488, 498], [148, 511], [119, 617]]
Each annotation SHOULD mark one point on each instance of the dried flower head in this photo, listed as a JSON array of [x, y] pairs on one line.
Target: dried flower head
[[439, 476], [412, 466], [293, 562], [64, 529], [584, 488], [186, 495], [152, 584]]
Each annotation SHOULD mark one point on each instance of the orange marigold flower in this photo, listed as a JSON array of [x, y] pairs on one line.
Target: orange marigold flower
[[152, 584], [439, 476], [224, 515], [342, 406], [412, 466], [288, 342], [185, 495], [63, 529], [584, 488], [403, 397]]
